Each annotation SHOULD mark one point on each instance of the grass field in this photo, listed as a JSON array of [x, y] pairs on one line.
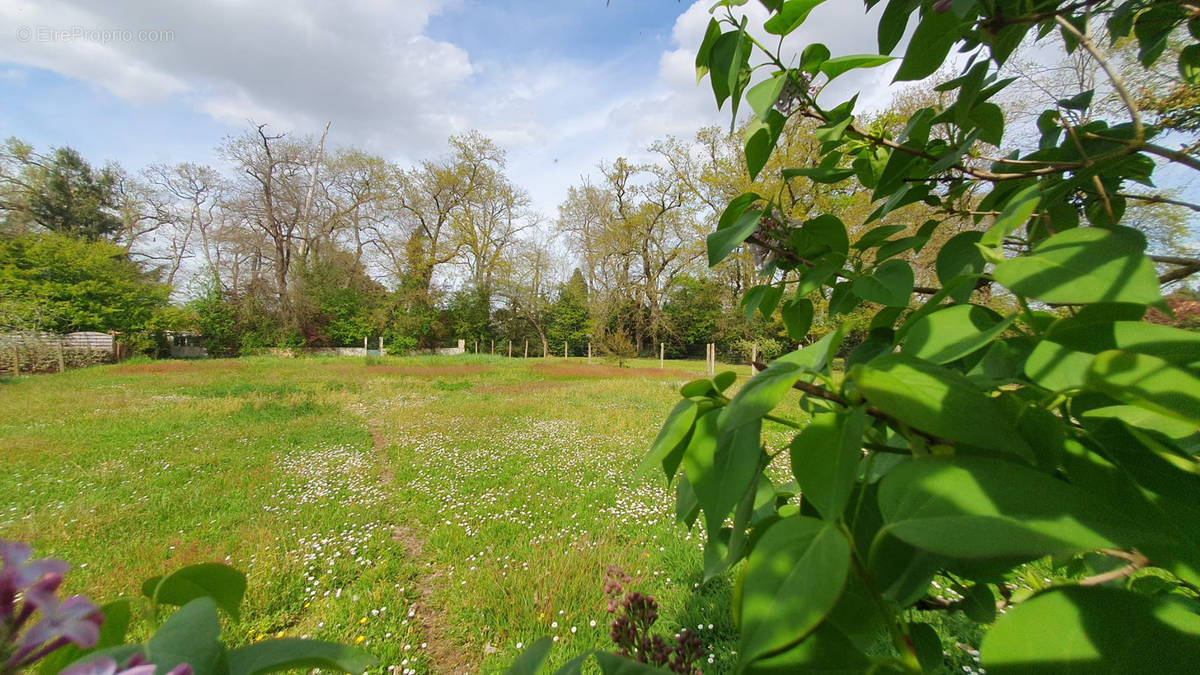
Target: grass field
[[440, 512]]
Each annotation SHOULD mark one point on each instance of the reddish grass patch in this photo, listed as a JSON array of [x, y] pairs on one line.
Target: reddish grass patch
[[178, 366], [427, 370], [564, 370]]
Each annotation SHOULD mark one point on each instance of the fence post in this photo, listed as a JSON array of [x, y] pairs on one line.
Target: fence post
[[381, 345], [564, 349], [662, 350], [753, 358], [526, 347], [477, 346], [365, 346], [493, 347], [510, 348], [589, 352], [61, 364], [16, 361]]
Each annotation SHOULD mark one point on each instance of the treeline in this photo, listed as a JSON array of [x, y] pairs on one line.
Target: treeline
[[293, 245]]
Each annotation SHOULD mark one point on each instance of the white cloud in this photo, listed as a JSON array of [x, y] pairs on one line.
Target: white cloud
[[365, 64]]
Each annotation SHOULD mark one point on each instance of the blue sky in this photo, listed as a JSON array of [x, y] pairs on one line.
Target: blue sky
[[560, 84]]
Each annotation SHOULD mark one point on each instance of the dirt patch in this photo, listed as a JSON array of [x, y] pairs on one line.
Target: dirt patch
[[428, 370], [562, 370], [444, 656]]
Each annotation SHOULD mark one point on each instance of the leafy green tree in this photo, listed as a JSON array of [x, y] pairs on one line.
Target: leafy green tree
[[59, 192], [961, 444], [337, 303], [567, 316], [470, 312], [77, 284], [693, 313], [216, 319]]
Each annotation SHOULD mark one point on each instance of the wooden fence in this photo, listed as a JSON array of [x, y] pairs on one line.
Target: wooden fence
[[34, 352]]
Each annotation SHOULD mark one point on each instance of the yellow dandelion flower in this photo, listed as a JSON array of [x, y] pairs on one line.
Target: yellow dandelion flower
[[359, 640], [362, 621]]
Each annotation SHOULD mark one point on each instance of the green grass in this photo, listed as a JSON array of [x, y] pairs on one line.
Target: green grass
[[438, 510]]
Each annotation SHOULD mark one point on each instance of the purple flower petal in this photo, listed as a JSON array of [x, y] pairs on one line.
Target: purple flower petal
[[181, 669], [75, 619], [101, 666]]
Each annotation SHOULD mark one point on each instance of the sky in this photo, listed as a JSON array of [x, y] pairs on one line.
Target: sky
[[560, 84]]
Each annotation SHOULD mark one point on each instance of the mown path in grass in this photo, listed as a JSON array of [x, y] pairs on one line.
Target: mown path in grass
[[438, 512]]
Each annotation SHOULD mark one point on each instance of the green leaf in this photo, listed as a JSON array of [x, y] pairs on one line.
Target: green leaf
[[765, 390], [225, 585], [835, 67], [819, 273], [761, 136], [737, 207], [575, 665], [989, 119], [893, 22], [721, 464], [958, 257], [797, 318], [705, 52], [954, 332], [725, 64], [931, 42], [673, 433], [190, 635], [791, 15], [826, 651], [927, 645], [1097, 630], [612, 664], [976, 508], [762, 96], [687, 507], [812, 57], [938, 401], [1189, 64], [1153, 28], [978, 603], [722, 242], [877, 236], [820, 236], [1081, 101], [826, 176], [825, 457], [1060, 361], [890, 285], [273, 656], [792, 579], [1055, 367], [1147, 382], [1085, 265], [763, 298], [1016, 212]]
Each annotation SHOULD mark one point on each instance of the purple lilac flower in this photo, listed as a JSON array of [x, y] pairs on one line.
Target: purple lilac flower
[[28, 586], [136, 665]]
